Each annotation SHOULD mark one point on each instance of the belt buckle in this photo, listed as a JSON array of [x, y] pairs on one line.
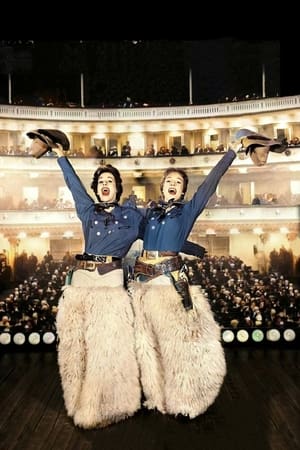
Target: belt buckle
[[90, 265], [151, 254]]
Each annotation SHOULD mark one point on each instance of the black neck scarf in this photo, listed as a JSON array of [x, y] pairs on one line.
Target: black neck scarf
[[104, 205], [101, 207], [161, 208]]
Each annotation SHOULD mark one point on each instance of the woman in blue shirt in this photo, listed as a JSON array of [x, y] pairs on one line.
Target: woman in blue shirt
[[182, 363], [96, 354], [96, 345], [181, 358]]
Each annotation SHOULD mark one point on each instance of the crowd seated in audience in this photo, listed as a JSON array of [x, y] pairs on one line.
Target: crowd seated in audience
[[239, 296], [266, 199], [126, 149], [96, 151], [150, 151]]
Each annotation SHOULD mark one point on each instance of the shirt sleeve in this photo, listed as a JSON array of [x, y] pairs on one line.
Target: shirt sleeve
[[82, 199], [209, 185]]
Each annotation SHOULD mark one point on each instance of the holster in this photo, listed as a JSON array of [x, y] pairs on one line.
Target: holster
[[182, 287]]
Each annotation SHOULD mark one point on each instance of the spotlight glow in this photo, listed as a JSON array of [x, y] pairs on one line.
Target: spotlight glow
[[257, 335], [242, 335], [19, 338], [34, 338], [5, 338], [273, 335], [48, 337], [228, 336], [289, 335]]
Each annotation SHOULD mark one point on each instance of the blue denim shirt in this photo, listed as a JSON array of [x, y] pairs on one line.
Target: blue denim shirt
[[104, 233], [171, 231]]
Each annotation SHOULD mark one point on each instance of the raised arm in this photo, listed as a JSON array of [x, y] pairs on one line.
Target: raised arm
[[82, 199]]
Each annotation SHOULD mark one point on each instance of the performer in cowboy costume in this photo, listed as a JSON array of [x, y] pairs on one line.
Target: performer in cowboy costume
[[96, 346], [95, 321], [181, 358]]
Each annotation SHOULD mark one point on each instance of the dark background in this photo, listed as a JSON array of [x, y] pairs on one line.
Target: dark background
[[149, 72]]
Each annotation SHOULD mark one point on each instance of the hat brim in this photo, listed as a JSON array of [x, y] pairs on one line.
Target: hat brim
[[57, 136], [250, 140], [43, 138]]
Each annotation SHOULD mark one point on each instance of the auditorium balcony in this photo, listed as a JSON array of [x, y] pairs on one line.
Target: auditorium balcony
[[37, 212]]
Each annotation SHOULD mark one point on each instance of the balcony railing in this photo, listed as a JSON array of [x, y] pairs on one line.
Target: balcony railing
[[136, 164], [139, 114]]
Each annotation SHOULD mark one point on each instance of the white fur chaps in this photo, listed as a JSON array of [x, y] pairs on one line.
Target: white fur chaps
[[96, 351], [181, 358]]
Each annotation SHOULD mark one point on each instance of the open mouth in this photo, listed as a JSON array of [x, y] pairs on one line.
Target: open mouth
[[172, 191], [105, 191]]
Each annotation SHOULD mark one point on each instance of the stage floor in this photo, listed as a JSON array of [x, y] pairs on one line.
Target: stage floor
[[258, 408]]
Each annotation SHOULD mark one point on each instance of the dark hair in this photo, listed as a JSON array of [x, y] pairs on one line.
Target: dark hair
[[182, 173], [116, 174]]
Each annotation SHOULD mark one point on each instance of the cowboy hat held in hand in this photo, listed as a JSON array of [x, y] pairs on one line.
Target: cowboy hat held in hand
[[46, 139], [259, 145]]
